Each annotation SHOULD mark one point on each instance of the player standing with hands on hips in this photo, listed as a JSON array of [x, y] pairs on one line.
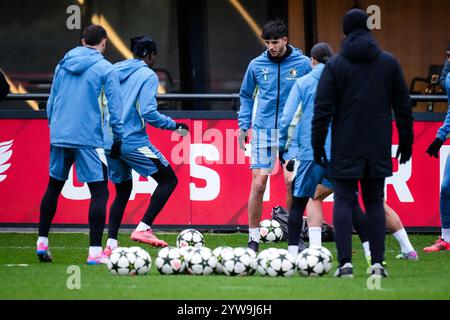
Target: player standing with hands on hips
[[357, 91], [139, 86], [264, 91]]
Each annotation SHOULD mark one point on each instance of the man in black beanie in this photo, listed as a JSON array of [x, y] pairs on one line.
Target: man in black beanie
[[358, 89], [445, 70]]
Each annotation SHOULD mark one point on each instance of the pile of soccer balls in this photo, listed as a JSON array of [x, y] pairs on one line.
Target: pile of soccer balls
[[129, 261], [192, 257]]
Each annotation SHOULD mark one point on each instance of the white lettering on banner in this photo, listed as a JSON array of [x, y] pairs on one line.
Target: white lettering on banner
[[212, 189], [212, 178], [72, 192], [443, 155], [5, 155], [142, 186], [399, 179], [266, 196]]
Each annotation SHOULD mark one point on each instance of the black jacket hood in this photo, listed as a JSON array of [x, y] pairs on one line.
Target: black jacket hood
[[360, 46]]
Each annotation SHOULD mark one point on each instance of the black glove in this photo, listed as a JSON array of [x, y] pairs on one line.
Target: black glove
[[320, 157], [290, 165], [243, 136], [404, 152], [181, 128], [434, 147], [280, 156], [116, 150]]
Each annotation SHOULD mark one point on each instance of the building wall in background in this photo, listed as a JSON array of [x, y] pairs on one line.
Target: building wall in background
[[415, 31], [34, 36]]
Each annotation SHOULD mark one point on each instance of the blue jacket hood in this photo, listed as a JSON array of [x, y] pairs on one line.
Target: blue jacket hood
[[79, 59], [127, 67]]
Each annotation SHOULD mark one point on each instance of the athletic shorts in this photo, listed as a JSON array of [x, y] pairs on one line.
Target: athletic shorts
[[307, 176], [141, 160], [90, 163], [263, 155]]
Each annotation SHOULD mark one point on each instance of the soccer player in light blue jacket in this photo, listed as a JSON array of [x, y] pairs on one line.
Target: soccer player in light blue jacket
[[76, 134], [443, 243], [264, 90], [308, 175], [139, 85]]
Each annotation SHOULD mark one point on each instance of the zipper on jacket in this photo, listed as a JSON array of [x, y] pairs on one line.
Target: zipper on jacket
[[278, 96]]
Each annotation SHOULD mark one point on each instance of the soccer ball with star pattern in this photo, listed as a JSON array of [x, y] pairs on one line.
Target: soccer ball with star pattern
[[143, 261], [170, 261], [262, 260], [190, 238], [121, 262], [202, 261], [270, 231], [239, 262], [218, 252], [280, 263], [313, 262]]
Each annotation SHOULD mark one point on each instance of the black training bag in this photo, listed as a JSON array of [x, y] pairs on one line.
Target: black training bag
[[282, 216]]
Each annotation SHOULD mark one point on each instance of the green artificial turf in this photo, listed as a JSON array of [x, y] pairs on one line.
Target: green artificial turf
[[428, 278]]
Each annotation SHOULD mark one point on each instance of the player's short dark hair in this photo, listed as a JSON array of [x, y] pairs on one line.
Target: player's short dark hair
[[274, 29], [94, 34], [142, 46], [321, 52]]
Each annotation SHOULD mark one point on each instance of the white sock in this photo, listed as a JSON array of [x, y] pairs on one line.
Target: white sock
[[42, 239], [95, 251], [315, 237], [445, 235], [112, 243], [366, 247], [143, 226], [347, 265], [403, 241], [294, 251], [253, 234]]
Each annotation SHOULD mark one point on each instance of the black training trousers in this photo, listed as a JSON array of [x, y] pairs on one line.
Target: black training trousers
[[345, 200]]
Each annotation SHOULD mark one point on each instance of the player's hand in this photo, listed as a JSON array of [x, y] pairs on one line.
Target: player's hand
[[404, 151], [280, 156], [434, 147], [290, 165], [320, 157], [243, 137], [181, 128], [116, 150]]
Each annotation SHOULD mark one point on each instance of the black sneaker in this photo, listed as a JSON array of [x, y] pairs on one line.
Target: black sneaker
[[377, 270], [253, 245], [346, 271], [301, 245]]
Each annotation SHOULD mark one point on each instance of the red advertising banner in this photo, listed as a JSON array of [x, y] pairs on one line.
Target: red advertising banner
[[213, 173]]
